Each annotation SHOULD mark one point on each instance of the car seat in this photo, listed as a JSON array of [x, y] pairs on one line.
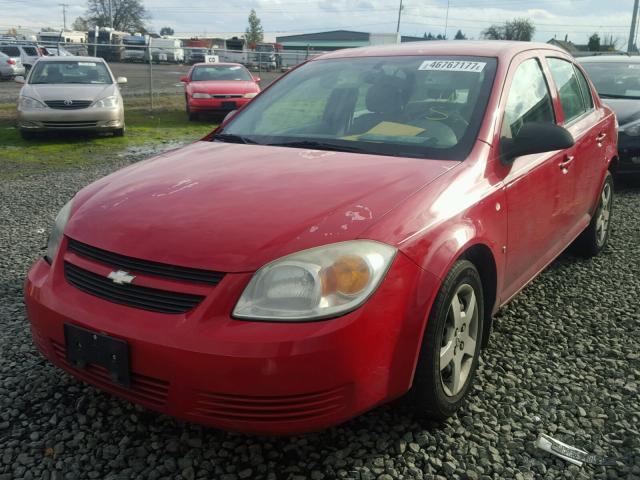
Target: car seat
[[385, 101]]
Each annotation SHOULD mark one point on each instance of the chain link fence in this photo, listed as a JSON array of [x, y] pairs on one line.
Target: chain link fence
[[155, 70]]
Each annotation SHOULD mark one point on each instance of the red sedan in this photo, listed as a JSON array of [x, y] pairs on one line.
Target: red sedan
[[342, 241], [218, 88]]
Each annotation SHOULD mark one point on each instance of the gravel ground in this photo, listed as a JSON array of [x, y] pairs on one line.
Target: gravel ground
[[563, 359]]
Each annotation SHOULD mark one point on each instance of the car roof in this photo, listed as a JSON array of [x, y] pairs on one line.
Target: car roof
[[224, 64], [482, 48], [609, 59], [71, 59]]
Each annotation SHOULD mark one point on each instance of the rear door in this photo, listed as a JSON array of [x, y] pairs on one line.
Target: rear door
[[588, 127], [534, 183]]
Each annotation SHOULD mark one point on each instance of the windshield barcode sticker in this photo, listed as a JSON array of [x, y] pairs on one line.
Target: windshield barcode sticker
[[87, 64], [452, 66]]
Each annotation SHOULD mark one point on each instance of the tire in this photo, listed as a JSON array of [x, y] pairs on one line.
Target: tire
[[435, 392], [190, 115], [119, 132], [596, 236], [27, 135]]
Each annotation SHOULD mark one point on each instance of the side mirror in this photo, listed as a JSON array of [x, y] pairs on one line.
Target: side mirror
[[535, 137], [184, 79], [19, 79], [256, 78], [229, 116], [121, 80]]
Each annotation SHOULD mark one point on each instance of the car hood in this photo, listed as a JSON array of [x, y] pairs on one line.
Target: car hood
[[626, 111], [233, 208], [223, 86], [74, 91]]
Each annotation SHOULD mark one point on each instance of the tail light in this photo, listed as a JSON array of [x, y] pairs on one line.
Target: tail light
[[11, 61]]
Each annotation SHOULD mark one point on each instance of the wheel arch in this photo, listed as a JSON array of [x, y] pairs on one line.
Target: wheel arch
[[483, 259]]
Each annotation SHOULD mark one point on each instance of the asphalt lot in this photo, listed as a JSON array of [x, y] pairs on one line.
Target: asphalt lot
[[166, 80], [563, 360]]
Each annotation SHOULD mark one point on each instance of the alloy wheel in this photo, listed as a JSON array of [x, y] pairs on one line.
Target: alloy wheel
[[459, 338], [604, 214]]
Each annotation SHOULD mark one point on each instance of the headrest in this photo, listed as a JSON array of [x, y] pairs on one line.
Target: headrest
[[385, 97]]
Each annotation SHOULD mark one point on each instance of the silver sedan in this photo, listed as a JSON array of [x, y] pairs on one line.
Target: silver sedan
[[63, 93]]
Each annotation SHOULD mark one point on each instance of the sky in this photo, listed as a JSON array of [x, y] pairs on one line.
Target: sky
[[576, 18]]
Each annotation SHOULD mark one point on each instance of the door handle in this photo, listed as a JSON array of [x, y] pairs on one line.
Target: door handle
[[601, 137], [564, 164]]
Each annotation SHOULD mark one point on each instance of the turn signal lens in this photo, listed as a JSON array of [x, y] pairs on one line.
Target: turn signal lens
[[348, 276]]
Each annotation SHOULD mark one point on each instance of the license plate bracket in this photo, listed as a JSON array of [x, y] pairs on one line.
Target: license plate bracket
[[84, 347]]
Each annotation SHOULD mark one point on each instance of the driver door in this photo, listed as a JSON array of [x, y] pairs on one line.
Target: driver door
[[534, 183]]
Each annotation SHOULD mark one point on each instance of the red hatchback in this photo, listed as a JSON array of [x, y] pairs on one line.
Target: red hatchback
[[218, 88], [342, 241]]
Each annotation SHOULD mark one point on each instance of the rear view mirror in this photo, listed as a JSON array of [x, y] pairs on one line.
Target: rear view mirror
[[256, 78], [229, 116], [184, 79], [121, 80], [535, 137], [19, 79]]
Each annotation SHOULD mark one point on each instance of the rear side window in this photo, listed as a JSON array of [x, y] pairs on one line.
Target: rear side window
[[529, 99], [11, 51], [31, 51], [586, 91], [564, 75]]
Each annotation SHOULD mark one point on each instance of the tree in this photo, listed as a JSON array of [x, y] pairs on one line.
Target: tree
[[460, 35], [521, 29], [12, 32], [80, 24], [166, 31], [594, 43], [254, 32], [127, 15]]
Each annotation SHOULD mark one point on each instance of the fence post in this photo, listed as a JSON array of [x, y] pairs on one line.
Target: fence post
[[150, 77]]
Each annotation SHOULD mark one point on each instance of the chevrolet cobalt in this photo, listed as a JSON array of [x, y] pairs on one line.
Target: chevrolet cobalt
[[341, 241]]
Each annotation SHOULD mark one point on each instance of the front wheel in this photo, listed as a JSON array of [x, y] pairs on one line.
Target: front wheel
[[451, 345], [119, 132], [596, 235]]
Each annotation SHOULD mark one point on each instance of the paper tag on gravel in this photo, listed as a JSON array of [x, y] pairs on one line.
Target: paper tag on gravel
[[569, 453]]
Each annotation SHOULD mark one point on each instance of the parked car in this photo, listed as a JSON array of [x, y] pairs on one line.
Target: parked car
[[10, 67], [28, 54], [56, 52], [218, 87], [70, 93], [341, 241], [617, 80]]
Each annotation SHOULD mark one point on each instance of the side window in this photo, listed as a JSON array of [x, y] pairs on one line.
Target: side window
[[529, 99], [586, 91], [566, 80]]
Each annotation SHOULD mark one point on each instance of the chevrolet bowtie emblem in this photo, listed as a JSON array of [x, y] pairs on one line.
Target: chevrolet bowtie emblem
[[120, 277]]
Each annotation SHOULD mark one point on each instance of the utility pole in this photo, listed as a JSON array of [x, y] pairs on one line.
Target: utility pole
[[446, 20], [64, 15], [110, 15], [400, 14], [632, 33]]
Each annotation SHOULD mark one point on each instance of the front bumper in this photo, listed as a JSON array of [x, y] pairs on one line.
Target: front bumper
[[93, 119], [201, 105], [629, 155], [259, 377]]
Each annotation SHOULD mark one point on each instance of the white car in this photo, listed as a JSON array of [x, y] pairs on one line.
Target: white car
[[10, 67]]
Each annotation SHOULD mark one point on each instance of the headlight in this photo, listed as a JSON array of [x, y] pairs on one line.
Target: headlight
[[200, 95], [107, 102], [55, 237], [314, 284], [28, 103], [250, 95], [632, 129]]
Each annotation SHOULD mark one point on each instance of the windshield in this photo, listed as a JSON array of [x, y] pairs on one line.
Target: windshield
[[220, 72], [70, 72], [11, 51], [416, 106], [615, 79]]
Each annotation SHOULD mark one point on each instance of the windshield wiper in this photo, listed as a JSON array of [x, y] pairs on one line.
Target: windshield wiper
[[613, 95], [232, 138], [317, 145]]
